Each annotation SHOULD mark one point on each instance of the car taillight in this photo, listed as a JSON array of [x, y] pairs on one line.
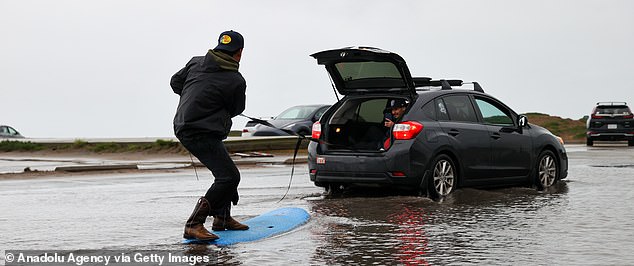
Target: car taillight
[[628, 116], [596, 116], [316, 130], [407, 130]]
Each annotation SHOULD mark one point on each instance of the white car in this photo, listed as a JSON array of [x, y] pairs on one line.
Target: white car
[[9, 132], [248, 129]]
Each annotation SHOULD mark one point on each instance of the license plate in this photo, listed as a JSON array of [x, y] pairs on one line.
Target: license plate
[[321, 160], [612, 126]]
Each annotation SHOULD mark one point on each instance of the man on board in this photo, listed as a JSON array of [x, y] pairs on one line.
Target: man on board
[[212, 91]]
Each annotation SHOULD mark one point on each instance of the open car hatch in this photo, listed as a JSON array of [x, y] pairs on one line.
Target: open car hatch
[[357, 70]]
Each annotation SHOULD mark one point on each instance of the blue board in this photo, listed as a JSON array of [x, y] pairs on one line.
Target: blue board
[[269, 224]]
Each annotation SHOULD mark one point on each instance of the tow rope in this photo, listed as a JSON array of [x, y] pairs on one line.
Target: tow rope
[[266, 123], [299, 142]]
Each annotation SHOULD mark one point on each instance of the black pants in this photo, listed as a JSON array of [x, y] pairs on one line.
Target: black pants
[[212, 153]]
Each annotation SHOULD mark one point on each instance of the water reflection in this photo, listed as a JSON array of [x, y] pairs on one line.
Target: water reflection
[[412, 249], [469, 226], [223, 256]]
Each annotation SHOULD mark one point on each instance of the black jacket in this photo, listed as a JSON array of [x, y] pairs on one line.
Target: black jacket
[[210, 95]]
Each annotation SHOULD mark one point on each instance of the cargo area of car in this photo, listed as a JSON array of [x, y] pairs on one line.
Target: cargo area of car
[[357, 125]]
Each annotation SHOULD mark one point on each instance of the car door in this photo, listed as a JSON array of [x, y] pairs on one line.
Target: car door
[[510, 145], [469, 138]]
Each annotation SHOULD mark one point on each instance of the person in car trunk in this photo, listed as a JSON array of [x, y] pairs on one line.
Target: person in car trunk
[[397, 109]]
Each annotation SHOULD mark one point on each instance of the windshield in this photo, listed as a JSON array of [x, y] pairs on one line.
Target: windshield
[[297, 112]]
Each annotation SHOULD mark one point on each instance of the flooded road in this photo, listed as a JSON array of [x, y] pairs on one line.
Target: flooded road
[[587, 219]]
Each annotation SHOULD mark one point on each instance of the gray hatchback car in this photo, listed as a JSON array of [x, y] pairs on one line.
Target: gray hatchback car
[[447, 138]]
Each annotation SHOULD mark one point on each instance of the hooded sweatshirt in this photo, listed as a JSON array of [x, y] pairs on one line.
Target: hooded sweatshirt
[[212, 91]]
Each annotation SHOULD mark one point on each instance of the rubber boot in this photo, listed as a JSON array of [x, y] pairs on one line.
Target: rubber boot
[[226, 222], [194, 228]]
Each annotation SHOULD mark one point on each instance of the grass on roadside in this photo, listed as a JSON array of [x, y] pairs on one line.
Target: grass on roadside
[[14, 145], [102, 147]]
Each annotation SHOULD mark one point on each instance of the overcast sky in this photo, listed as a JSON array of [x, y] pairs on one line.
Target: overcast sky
[[81, 68]]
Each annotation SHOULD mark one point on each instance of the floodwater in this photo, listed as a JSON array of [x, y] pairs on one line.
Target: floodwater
[[587, 219]]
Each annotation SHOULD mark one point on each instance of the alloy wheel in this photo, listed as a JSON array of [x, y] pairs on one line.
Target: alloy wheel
[[443, 177], [547, 171]]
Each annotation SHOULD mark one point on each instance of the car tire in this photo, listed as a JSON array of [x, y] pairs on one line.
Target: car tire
[[589, 142], [630, 143], [546, 170], [443, 177], [333, 189]]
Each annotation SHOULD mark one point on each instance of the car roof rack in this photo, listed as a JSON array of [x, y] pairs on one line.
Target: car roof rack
[[612, 103], [444, 84]]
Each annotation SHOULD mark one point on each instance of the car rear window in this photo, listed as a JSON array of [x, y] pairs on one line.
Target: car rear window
[[362, 74], [441, 110], [612, 110]]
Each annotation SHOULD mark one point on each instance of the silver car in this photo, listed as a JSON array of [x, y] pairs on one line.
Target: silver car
[[9, 132]]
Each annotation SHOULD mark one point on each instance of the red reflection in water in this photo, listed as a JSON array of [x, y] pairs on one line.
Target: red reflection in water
[[413, 247]]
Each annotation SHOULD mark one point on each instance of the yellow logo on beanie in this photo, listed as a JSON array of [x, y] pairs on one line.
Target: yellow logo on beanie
[[225, 39]]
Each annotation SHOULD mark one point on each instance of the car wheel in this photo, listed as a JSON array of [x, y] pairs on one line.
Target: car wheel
[[546, 170], [589, 142], [334, 189], [630, 143], [443, 177]]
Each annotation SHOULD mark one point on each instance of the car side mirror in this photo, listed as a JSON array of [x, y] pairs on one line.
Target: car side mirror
[[522, 121]]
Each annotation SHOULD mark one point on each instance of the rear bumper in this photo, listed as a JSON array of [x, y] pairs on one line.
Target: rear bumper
[[394, 167], [349, 177], [610, 135]]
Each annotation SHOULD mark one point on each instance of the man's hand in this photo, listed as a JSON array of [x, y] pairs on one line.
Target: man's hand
[[388, 122]]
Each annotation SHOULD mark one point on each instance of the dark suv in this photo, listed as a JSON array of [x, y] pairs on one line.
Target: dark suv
[[446, 138], [610, 121]]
